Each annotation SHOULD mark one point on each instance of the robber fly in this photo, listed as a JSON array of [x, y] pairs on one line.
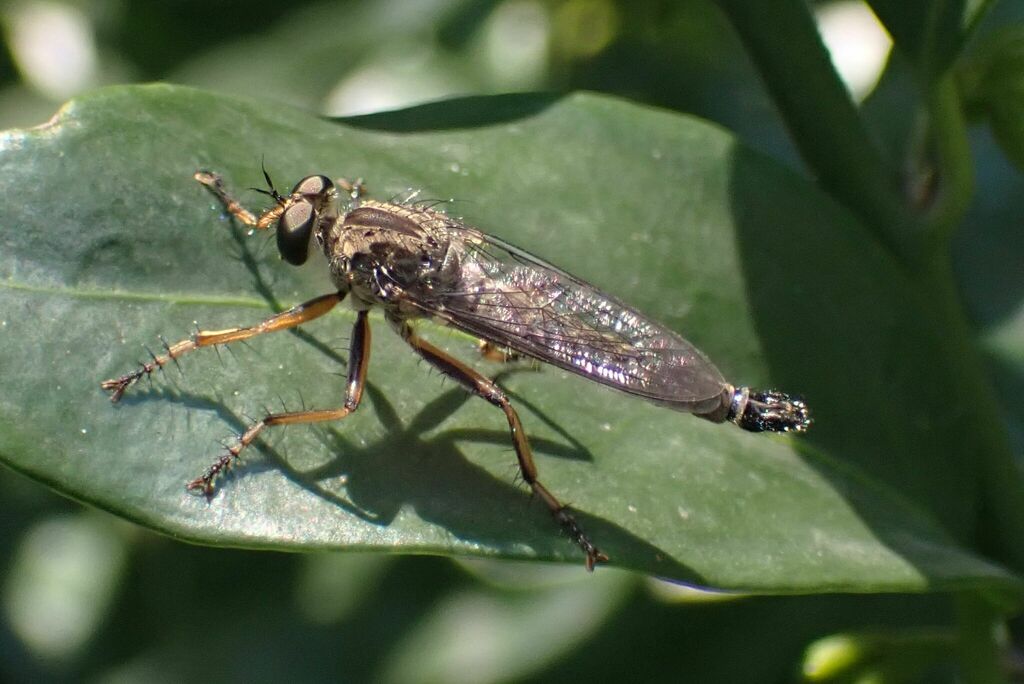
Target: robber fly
[[417, 262]]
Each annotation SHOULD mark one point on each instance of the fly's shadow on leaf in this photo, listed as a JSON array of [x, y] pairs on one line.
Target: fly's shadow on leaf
[[430, 475]]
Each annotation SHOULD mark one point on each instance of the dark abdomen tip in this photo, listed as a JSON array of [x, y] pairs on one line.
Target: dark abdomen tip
[[769, 411]]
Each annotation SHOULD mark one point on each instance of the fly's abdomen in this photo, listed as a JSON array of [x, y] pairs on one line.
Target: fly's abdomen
[[559, 320]]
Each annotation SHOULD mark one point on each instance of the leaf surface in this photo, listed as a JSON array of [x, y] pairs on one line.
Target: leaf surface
[[109, 244]]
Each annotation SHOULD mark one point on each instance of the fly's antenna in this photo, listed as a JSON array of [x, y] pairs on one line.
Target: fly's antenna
[[768, 411], [272, 192]]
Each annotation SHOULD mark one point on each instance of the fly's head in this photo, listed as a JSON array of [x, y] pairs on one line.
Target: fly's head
[[308, 211]]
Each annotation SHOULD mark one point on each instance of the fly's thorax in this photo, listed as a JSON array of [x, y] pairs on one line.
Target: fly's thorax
[[380, 250]]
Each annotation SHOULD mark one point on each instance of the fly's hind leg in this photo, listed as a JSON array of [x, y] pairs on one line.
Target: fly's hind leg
[[359, 357], [486, 388]]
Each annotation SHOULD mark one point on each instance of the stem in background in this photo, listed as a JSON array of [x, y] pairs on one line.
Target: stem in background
[[980, 653], [947, 135], [784, 44], [1000, 519], [1000, 522]]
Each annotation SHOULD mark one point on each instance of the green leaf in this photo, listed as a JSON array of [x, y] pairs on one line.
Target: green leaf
[[1004, 347], [931, 33], [993, 85], [108, 244]]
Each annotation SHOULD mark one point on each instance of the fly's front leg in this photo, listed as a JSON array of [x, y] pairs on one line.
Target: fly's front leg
[[297, 315], [358, 361], [484, 387], [215, 184]]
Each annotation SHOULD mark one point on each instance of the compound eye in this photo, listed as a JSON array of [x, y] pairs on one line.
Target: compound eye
[[293, 231], [313, 185]]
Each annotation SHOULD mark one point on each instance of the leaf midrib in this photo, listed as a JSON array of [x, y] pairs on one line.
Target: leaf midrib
[[120, 296]]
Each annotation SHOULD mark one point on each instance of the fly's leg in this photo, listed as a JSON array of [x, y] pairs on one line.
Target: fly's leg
[[356, 189], [484, 387], [215, 184], [495, 352], [297, 315], [359, 358]]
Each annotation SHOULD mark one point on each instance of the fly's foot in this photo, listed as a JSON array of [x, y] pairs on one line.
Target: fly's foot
[[569, 524], [118, 386], [204, 484], [210, 179]]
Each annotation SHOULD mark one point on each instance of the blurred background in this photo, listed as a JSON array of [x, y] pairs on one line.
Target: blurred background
[[86, 596]]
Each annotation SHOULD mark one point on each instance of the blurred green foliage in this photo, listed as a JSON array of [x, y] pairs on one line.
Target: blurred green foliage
[[126, 605]]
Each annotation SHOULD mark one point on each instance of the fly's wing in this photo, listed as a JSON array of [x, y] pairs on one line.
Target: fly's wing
[[505, 295]]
